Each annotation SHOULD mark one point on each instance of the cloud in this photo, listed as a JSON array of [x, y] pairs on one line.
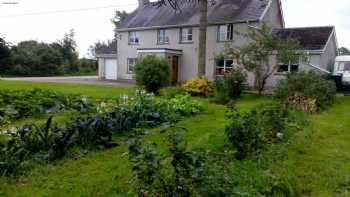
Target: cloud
[[300, 13]]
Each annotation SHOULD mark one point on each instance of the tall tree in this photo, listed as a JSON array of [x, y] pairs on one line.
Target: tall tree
[[343, 51], [5, 56], [264, 44], [203, 23], [119, 17], [68, 49]]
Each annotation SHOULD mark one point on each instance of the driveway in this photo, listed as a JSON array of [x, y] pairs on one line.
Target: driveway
[[93, 80]]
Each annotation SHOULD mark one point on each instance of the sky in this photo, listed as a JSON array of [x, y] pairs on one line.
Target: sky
[[18, 23]]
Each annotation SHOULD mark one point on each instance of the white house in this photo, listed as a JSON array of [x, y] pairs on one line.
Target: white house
[[175, 36]]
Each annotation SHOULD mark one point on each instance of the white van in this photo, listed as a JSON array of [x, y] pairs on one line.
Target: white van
[[342, 68]]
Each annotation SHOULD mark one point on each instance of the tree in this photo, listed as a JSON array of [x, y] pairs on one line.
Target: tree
[[264, 44], [5, 56], [203, 23], [119, 17], [68, 49], [343, 51]]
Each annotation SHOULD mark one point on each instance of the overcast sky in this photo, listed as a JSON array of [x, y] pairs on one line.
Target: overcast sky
[[92, 25]]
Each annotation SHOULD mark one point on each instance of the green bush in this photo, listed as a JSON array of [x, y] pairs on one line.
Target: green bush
[[199, 87], [171, 92], [252, 132], [153, 73], [309, 92], [230, 86]]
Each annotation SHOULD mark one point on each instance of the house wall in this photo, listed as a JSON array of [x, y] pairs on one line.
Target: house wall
[[330, 53], [273, 16], [101, 68], [189, 60]]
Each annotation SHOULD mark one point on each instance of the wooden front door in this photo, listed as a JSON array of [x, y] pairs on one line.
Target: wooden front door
[[174, 69]]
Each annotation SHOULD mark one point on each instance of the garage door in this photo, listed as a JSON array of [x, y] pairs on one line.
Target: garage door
[[111, 69]]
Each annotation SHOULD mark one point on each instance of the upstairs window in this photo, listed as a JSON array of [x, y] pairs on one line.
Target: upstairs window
[[134, 38], [224, 66], [225, 32], [130, 65], [186, 35], [163, 37]]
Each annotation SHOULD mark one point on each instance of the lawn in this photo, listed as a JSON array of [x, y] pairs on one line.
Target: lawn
[[318, 157]]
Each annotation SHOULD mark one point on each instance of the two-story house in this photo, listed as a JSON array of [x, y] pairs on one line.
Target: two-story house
[[175, 36]]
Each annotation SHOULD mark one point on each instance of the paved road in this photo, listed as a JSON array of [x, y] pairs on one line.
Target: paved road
[[75, 80]]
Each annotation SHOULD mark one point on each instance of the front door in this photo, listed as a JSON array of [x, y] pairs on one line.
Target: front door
[[174, 69]]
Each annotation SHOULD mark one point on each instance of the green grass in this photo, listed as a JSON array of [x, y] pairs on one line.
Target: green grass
[[319, 156], [94, 91]]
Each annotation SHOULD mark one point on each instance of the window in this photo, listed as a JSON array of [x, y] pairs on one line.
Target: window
[[224, 66], [130, 65], [163, 36], [289, 67], [342, 66], [134, 38], [225, 32], [186, 35]]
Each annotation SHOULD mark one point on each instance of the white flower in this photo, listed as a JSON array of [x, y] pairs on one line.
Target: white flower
[[280, 135]]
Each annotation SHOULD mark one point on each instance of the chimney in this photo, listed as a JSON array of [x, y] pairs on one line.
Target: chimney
[[142, 3]]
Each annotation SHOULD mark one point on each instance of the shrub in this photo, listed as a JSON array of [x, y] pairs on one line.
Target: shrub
[[174, 173], [252, 132], [309, 92], [230, 86], [153, 73], [199, 87]]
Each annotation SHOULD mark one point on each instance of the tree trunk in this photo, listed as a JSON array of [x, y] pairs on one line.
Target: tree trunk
[[202, 47]]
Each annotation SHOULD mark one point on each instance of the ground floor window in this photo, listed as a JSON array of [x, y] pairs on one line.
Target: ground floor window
[[130, 65], [224, 66], [287, 68]]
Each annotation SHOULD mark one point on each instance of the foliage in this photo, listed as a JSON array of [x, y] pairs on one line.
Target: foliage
[[255, 56], [33, 58], [153, 73], [153, 178], [252, 132], [343, 51], [6, 60], [199, 87], [19, 104], [171, 92], [92, 131], [230, 86], [309, 92]]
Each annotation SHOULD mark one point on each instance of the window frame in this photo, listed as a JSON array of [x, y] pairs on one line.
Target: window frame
[[228, 32], [165, 36], [182, 35], [289, 67], [225, 67], [128, 65], [136, 38]]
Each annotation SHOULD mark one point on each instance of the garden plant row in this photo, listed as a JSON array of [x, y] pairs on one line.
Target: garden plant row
[[23, 147]]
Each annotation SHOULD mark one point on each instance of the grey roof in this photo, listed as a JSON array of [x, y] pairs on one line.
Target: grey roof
[[222, 11], [310, 38]]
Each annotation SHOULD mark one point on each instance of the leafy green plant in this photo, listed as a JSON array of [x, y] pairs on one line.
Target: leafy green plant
[[33, 103], [230, 86], [153, 73], [309, 92], [252, 132], [152, 178]]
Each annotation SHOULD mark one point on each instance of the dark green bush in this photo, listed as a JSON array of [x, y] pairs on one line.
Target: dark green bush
[[252, 132], [153, 73], [230, 86], [309, 92]]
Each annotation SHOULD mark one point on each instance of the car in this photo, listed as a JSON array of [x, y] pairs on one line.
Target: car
[[342, 68]]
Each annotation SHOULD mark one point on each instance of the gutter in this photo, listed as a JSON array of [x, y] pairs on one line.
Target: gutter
[[188, 25]]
